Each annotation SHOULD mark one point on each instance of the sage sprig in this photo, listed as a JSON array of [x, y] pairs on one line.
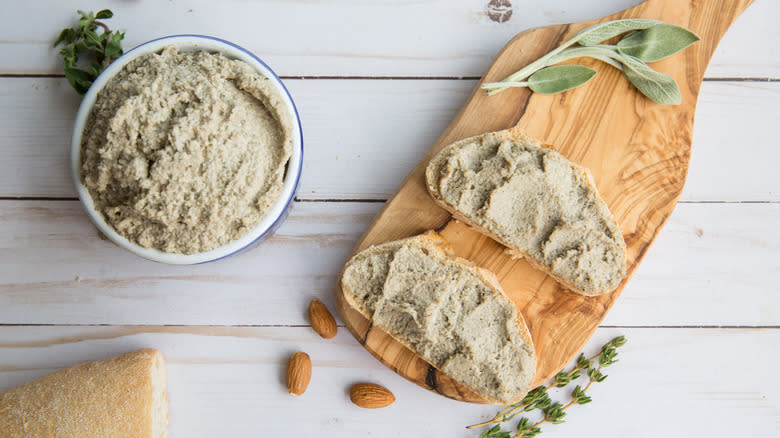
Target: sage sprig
[[553, 412], [647, 41], [84, 41]]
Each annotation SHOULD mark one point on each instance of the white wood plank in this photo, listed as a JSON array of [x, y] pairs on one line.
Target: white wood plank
[[55, 269], [363, 136], [734, 149], [713, 259], [738, 56], [36, 121], [229, 382], [450, 38], [714, 264]]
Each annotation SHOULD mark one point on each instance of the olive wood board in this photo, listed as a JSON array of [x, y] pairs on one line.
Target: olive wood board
[[637, 151]]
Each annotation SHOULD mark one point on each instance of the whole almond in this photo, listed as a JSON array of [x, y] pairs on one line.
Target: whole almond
[[298, 373], [321, 320], [370, 396]]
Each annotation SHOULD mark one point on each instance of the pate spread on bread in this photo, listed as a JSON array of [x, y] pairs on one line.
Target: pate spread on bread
[[535, 202], [451, 313]]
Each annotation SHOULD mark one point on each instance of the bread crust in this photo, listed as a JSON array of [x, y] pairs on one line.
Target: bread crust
[[433, 241], [515, 134], [109, 398]]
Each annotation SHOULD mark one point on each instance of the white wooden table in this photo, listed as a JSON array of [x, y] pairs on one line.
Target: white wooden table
[[376, 82]]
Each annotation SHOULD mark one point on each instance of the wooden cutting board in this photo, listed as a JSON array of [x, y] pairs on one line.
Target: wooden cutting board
[[638, 152]]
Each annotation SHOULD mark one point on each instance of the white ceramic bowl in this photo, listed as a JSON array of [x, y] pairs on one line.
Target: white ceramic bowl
[[275, 215]]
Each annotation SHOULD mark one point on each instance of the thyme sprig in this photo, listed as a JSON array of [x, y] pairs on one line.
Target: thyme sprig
[[84, 41], [554, 412]]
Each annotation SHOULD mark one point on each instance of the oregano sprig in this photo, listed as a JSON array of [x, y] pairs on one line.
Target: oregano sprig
[[647, 41], [84, 42], [554, 412]]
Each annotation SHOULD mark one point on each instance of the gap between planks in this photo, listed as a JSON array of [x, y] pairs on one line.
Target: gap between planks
[[399, 78], [704, 327], [361, 200]]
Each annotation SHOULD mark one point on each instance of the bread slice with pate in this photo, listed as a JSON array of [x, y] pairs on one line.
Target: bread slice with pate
[[535, 202], [121, 397], [450, 312]]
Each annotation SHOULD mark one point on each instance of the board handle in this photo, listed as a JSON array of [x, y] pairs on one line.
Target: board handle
[[709, 19]]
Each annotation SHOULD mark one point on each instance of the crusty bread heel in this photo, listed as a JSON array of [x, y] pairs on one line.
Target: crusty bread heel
[[120, 397]]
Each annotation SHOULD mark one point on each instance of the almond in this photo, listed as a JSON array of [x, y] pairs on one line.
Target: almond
[[321, 320], [370, 396], [298, 373]]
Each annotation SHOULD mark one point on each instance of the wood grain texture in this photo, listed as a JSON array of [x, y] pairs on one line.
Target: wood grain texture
[[636, 150], [229, 381]]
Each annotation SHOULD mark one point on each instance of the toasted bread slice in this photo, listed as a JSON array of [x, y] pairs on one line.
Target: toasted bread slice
[[532, 200], [450, 312], [124, 396]]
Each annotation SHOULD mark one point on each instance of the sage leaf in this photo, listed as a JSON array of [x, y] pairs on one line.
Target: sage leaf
[[589, 36], [657, 42], [659, 87], [609, 29], [646, 41], [560, 78]]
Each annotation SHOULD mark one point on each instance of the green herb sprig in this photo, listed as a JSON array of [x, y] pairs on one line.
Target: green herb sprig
[[83, 40], [648, 41], [552, 411]]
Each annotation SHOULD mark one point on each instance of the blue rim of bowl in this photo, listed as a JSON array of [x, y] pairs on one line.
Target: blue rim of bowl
[[131, 246]]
